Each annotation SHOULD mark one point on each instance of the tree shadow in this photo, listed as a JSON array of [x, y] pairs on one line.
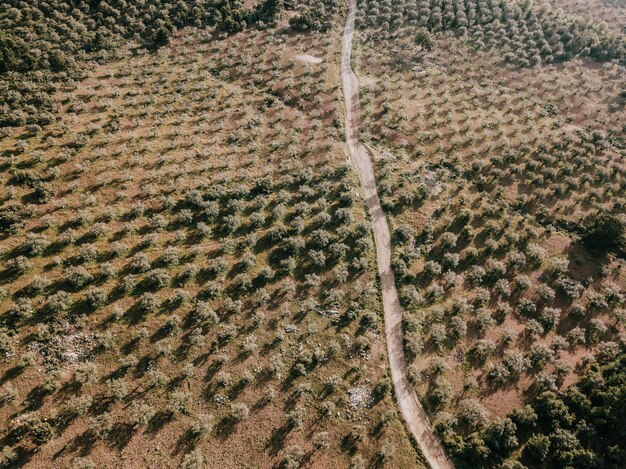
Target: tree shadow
[[276, 441], [121, 434], [159, 421], [186, 443], [11, 374], [225, 427]]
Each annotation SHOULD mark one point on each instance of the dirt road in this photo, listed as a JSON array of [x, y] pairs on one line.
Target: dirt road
[[412, 412]]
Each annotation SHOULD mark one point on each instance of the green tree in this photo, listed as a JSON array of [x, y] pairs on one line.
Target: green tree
[[607, 234], [537, 448], [424, 39]]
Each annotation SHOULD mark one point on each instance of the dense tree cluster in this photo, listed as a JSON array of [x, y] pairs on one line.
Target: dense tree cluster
[[51, 34], [525, 34], [582, 426], [607, 234], [316, 16], [43, 40], [612, 12]]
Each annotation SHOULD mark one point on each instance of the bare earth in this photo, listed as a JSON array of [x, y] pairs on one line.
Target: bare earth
[[308, 59], [410, 408]]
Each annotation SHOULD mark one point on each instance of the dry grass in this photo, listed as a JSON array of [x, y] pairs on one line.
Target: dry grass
[[612, 12], [485, 168], [240, 136]]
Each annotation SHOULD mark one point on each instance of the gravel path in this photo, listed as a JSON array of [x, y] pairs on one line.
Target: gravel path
[[410, 408]]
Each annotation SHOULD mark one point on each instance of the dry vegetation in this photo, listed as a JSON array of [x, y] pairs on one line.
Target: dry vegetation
[[187, 270], [187, 274], [612, 12], [492, 173]]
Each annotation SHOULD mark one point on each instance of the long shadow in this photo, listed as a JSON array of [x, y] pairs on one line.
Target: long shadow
[[159, 421], [277, 441], [186, 443], [24, 456], [11, 373], [119, 437], [225, 427]]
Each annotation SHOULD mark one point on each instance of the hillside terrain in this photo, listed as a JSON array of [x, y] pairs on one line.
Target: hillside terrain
[[188, 272], [218, 247], [501, 167]]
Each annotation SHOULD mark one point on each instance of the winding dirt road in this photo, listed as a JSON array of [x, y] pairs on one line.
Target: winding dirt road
[[412, 412]]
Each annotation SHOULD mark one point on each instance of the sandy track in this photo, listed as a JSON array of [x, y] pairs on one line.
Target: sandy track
[[412, 412]]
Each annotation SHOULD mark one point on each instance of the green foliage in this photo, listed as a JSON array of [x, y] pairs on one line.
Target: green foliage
[[579, 427], [550, 36], [537, 448], [424, 39], [38, 48], [11, 218], [316, 17], [14, 54], [42, 433], [607, 234], [584, 425]]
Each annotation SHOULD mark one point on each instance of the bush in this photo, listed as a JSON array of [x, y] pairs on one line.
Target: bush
[[149, 303], [498, 374], [202, 426], [293, 457], [59, 303], [35, 244], [524, 417], [500, 437], [537, 448], [78, 277], [472, 414], [540, 355], [8, 395], [158, 279], [482, 350], [96, 297], [515, 362], [239, 412], [86, 374], [382, 388], [475, 275], [424, 39], [193, 460], [11, 218], [140, 413], [7, 456], [570, 287], [42, 433], [441, 394], [19, 266]]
